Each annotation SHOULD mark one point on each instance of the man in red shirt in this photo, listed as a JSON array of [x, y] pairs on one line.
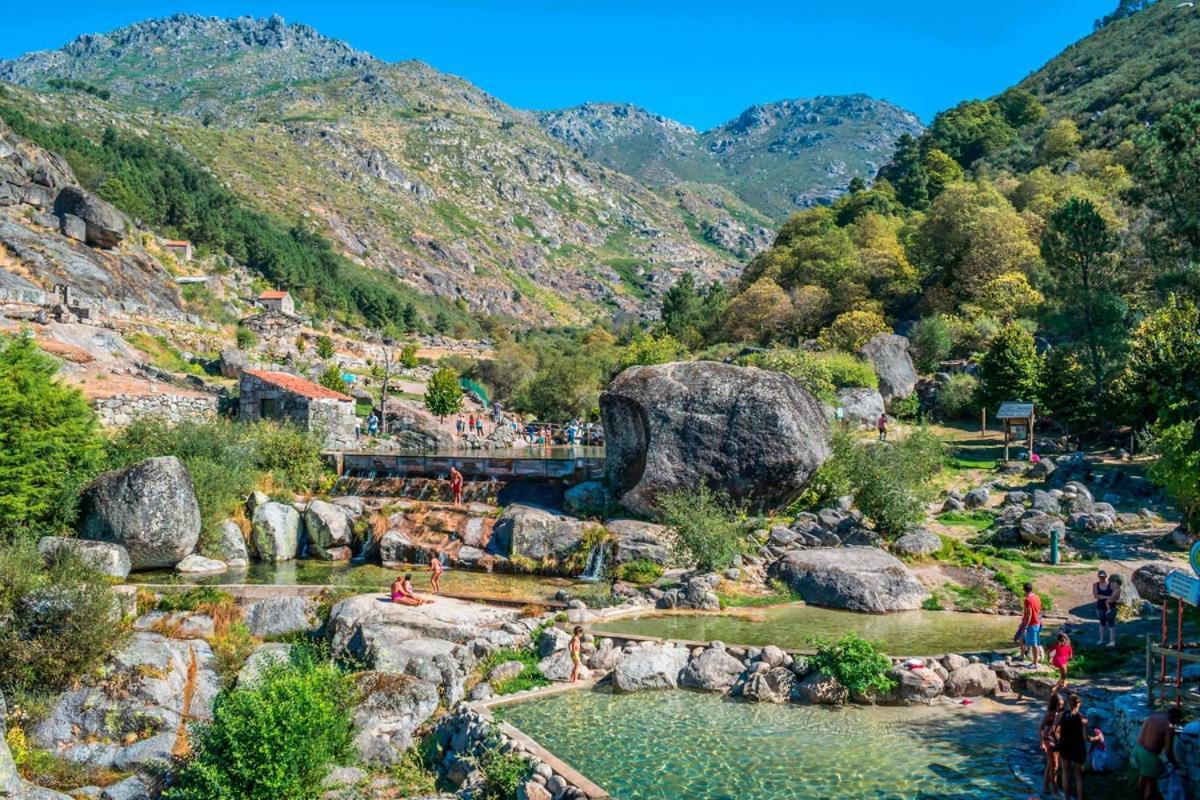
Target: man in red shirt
[[1031, 624]]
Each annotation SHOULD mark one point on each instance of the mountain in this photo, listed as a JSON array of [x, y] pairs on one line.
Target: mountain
[[409, 173], [777, 157]]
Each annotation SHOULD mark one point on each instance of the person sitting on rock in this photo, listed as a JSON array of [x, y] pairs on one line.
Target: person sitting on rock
[[402, 592]]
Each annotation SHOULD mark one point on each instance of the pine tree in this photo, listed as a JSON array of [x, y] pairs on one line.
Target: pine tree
[[48, 438], [1011, 369], [443, 396]]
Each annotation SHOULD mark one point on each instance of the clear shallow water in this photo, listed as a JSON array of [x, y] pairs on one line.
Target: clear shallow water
[[371, 577], [787, 626], [677, 744]]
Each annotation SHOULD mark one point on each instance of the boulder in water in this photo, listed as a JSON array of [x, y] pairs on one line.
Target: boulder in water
[[150, 509], [649, 666], [529, 532], [853, 578], [713, 670], [754, 434], [276, 531]]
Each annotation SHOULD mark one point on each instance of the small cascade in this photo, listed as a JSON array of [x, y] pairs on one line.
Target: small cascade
[[364, 550], [302, 543], [594, 570]]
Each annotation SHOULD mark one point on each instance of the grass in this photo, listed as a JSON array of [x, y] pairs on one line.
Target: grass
[[779, 593], [51, 770], [959, 462], [528, 678], [1009, 569], [639, 570], [972, 598], [162, 354], [978, 521]]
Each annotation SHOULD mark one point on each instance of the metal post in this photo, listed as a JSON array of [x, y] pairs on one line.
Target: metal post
[[983, 421], [1149, 671], [1054, 549], [1162, 667], [1179, 647]]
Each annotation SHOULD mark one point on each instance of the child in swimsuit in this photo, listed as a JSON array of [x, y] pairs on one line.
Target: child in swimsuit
[[575, 648], [1060, 655]]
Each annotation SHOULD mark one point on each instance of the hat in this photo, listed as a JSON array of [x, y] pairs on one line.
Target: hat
[[1101, 574]]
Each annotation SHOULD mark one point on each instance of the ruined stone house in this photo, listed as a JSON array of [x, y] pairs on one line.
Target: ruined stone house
[[277, 301], [290, 398]]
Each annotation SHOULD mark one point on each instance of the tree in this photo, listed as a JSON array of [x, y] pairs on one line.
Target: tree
[[383, 370], [324, 347], [332, 378], [49, 442], [1020, 107], [851, 330], [1177, 468], [564, 387], [906, 172], [1078, 249], [408, 356], [1167, 173], [1067, 392], [932, 341], [759, 313], [681, 306], [1160, 379], [1011, 369], [1061, 140], [443, 396], [942, 171], [971, 130], [1009, 296], [647, 349]]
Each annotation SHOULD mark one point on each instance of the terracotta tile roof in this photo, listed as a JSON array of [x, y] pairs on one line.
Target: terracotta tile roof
[[272, 295], [298, 385]]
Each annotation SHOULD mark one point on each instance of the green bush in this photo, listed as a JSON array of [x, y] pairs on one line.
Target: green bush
[[245, 338], [703, 527], [226, 460], [859, 665], [647, 349], [956, 398], [932, 341], [639, 570], [58, 621], [821, 373], [906, 408], [275, 740], [49, 442], [502, 773]]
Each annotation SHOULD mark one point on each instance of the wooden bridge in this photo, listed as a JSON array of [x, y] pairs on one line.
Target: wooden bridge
[[558, 464]]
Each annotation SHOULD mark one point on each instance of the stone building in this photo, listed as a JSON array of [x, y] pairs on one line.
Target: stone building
[[180, 248], [277, 301], [290, 398]]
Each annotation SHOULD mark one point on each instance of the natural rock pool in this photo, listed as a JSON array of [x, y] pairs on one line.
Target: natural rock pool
[[370, 577], [678, 744], [904, 633]]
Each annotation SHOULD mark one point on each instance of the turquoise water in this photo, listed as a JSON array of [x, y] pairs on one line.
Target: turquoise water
[[904, 633], [677, 744]]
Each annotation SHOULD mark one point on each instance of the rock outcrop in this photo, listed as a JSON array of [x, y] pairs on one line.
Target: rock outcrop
[[649, 666], [853, 578], [390, 710], [276, 531], [150, 509], [752, 433], [530, 532], [103, 226], [888, 353], [111, 559]]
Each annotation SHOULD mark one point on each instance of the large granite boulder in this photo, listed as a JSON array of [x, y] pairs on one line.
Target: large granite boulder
[[532, 532], [773, 685], [853, 578], [587, 499], [755, 434], [275, 531], [149, 509], [390, 710], [1150, 580], [111, 559], [915, 686], [888, 353], [649, 666], [714, 670], [266, 655], [918, 543], [104, 225], [328, 529], [232, 547], [820, 689], [633, 539], [412, 427], [862, 405], [973, 680], [279, 616]]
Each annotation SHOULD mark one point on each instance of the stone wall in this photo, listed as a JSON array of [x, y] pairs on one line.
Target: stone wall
[[123, 409], [332, 419]]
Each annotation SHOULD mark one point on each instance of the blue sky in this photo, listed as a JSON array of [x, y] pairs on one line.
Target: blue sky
[[700, 62]]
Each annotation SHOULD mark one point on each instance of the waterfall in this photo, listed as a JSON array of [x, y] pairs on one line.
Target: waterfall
[[594, 570], [361, 556], [302, 542]]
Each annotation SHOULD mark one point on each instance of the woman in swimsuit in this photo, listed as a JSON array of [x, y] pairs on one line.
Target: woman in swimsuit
[[402, 592], [1049, 743], [1072, 746], [435, 573]]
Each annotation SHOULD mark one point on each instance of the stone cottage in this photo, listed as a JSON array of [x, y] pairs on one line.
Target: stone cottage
[[290, 398], [180, 248], [277, 301]]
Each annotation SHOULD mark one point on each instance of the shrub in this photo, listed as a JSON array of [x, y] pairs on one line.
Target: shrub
[[502, 773], [48, 439], [275, 739], [822, 374], [245, 338], [57, 621], [324, 347], [702, 527], [529, 677], [1177, 468], [646, 349], [639, 570], [443, 396], [852, 329], [906, 408], [932, 341], [890, 482], [332, 378], [859, 665], [956, 397]]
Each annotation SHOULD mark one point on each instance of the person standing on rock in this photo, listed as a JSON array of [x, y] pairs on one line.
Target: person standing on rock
[[1031, 621], [881, 425], [435, 572], [575, 648], [1107, 595], [456, 486]]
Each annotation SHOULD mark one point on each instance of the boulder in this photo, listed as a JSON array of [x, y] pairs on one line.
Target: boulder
[[558, 666], [276, 531], [1150, 580], [754, 434], [413, 428], [652, 666], [390, 710], [110, 559], [196, 564], [977, 498], [232, 547], [327, 525], [551, 640], [264, 656], [1037, 527], [888, 354], [853, 578], [973, 680], [233, 361], [104, 225], [587, 498], [714, 670], [149, 509], [1046, 502], [822, 690], [775, 685], [278, 616], [917, 543], [532, 532], [861, 405], [506, 670], [633, 539], [915, 686]]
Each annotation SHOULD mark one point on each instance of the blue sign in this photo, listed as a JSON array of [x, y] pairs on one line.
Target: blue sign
[[1194, 557], [1184, 586]]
